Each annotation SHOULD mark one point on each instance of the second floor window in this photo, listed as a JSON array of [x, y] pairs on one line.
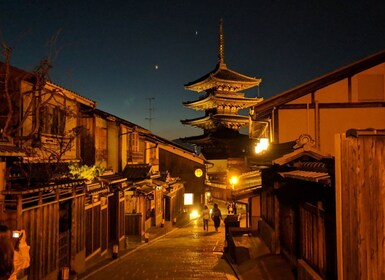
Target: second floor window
[[133, 143], [52, 120]]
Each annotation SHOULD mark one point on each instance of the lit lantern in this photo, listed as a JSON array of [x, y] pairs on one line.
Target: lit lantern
[[198, 172]]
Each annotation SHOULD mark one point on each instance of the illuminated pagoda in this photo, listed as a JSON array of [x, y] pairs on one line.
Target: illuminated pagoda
[[221, 102]]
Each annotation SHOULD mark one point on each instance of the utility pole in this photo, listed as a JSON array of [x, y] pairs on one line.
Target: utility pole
[[150, 111]]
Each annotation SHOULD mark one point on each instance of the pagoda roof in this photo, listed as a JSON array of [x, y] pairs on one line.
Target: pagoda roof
[[217, 137], [212, 101], [213, 121], [222, 77], [221, 144]]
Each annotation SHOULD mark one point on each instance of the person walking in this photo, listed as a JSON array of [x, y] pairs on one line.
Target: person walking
[[14, 253], [216, 215], [6, 253], [206, 217]]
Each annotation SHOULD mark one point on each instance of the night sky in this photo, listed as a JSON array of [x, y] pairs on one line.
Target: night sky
[[121, 53]]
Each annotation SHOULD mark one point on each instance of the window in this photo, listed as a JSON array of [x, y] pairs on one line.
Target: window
[[52, 120], [135, 142], [132, 146], [188, 199]]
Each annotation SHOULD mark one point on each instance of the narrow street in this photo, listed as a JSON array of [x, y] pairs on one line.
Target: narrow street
[[187, 252]]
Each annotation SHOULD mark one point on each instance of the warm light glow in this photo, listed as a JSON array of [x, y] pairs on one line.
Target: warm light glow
[[188, 198], [194, 214], [262, 145], [198, 172], [233, 181]]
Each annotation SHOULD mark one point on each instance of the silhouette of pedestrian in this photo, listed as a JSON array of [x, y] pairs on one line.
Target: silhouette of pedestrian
[[216, 215], [206, 218]]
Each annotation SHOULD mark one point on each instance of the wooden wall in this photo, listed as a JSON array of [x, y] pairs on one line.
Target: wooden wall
[[184, 168], [360, 203], [42, 227], [78, 234]]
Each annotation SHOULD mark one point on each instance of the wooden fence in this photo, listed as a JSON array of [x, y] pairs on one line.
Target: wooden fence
[[312, 231], [360, 206]]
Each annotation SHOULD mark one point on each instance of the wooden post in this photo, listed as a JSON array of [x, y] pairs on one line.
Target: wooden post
[[276, 222], [317, 125], [338, 197]]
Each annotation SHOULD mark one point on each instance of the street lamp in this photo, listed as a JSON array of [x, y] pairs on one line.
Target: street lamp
[[233, 181], [262, 145]]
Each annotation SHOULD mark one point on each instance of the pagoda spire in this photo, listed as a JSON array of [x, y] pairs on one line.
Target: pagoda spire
[[221, 50]]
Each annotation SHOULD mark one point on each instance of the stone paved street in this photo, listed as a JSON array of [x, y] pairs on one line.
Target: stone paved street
[[185, 253]]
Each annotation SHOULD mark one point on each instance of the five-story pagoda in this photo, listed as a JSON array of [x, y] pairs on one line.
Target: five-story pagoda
[[221, 102]]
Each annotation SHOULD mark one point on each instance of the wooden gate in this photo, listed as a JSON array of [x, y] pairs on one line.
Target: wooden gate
[[64, 249], [133, 224]]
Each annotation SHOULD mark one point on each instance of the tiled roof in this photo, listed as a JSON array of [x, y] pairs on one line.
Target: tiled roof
[[223, 74], [96, 189], [136, 171], [247, 192], [10, 151], [145, 189], [319, 177], [112, 179]]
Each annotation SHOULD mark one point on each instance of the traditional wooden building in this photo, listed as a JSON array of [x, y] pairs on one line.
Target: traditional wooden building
[[360, 208], [41, 119], [352, 96], [298, 212], [185, 165]]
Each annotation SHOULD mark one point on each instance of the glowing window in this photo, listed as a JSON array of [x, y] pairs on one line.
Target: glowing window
[[188, 198]]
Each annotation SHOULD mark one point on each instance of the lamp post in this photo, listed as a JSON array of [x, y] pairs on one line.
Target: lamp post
[[233, 181], [262, 145]]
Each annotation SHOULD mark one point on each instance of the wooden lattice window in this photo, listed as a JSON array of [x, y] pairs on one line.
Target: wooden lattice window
[[52, 120]]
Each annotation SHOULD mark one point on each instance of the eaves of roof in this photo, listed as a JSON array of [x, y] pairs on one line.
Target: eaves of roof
[[79, 98], [223, 75], [136, 171], [318, 177], [10, 151], [267, 105]]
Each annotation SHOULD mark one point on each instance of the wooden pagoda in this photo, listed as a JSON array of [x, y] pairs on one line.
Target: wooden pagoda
[[221, 102]]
